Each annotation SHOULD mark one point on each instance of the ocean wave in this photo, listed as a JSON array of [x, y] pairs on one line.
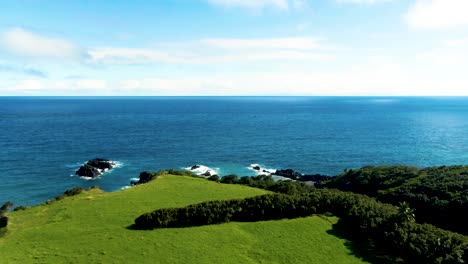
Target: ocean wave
[[261, 170], [76, 166], [201, 170], [88, 178]]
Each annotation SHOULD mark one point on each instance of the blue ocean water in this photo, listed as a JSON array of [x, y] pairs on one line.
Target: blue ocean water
[[43, 140]]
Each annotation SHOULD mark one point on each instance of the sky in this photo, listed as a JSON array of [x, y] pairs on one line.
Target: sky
[[234, 47]]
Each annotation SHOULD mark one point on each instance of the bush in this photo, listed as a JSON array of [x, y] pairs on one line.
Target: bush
[[3, 221], [5, 207], [73, 191], [364, 217], [20, 208], [214, 178], [231, 178]]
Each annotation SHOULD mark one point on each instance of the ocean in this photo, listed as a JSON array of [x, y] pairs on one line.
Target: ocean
[[44, 140]]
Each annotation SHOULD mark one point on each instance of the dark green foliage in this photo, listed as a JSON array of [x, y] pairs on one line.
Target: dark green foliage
[[231, 178], [3, 218], [267, 183], [265, 207], [372, 179], [364, 217], [5, 207], [3, 221], [20, 208], [214, 178], [426, 244], [147, 176], [181, 173], [439, 195], [73, 191]]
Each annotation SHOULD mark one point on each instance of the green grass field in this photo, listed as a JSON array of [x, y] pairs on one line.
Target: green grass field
[[92, 228]]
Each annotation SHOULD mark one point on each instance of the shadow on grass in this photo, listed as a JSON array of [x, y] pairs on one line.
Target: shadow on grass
[[133, 227], [360, 248]]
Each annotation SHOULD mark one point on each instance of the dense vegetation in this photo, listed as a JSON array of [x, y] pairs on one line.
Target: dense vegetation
[[439, 195], [93, 227], [384, 225], [3, 218]]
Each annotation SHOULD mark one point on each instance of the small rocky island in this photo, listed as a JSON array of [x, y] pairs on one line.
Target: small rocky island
[[95, 168]]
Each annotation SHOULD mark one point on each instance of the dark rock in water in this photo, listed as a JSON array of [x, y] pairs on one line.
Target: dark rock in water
[[291, 174], [194, 167], [288, 173], [94, 168], [256, 167], [101, 164], [207, 173], [145, 177], [88, 171]]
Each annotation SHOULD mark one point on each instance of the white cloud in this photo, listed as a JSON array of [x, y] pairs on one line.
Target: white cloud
[[455, 43], [215, 51], [362, 1], [254, 4], [28, 85], [90, 84], [375, 76], [365, 80], [437, 14], [25, 43], [147, 56], [15, 69], [111, 55], [298, 43]]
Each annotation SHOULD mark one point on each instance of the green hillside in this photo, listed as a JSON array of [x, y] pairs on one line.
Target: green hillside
[[92, 228]]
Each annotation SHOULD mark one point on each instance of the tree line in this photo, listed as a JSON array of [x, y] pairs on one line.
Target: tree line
[[390, 228]]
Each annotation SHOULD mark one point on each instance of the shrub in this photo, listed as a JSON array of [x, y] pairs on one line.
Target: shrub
[[3, 221], [20, 208], [214, 178], [5, 207], [73, 191]]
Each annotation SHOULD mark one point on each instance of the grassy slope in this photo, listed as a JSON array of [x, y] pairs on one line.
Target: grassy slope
[[91, 228]]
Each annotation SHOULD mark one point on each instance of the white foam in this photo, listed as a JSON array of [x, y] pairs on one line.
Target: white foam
[[115, 165], [280, 178], [262, 170], [88, 178], [202, 170], [134, 179], [125, 187]]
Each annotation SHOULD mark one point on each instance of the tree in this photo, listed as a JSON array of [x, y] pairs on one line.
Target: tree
[[406, 213]]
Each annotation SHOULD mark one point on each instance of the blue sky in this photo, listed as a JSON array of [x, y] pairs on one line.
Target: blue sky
[[234, 47]]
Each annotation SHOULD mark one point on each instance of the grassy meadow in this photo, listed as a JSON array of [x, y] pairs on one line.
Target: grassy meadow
[[92, 228]]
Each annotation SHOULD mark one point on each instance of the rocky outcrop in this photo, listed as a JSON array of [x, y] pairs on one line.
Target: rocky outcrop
[[294, 175], [256, 168], [95, 167], [145, 177], [288, 173]]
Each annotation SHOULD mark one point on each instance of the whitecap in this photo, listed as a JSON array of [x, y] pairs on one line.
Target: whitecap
[[88, 178], [262, 170], [201, 169]]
